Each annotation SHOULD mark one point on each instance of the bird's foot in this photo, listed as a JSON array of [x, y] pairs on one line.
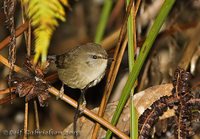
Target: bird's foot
[[82, 106], [61, 92]]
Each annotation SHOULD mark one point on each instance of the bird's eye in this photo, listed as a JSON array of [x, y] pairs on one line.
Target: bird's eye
[[94, 57]]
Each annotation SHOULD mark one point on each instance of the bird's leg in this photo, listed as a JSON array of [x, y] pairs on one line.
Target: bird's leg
[[82, 101], [80, 108], [76, 116], [61, 92]]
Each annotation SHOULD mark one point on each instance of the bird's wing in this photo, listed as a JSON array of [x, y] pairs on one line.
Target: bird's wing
[[64, 59], [60, 61]]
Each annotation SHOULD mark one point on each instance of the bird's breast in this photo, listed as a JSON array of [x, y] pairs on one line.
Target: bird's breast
[[94, 74]]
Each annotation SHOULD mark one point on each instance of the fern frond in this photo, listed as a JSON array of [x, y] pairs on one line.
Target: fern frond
[[44, 16]]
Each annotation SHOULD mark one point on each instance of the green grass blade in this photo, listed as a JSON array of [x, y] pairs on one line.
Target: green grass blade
[[103, 20], [167, 5], [131, 55], [133, 119]]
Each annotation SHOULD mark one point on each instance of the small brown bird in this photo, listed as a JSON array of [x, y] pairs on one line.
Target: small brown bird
[[81, 68]]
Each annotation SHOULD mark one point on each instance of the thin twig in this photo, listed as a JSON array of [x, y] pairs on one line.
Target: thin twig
[[115, 13], [52, 77], [16, 68], [36, 115], [27, 34], [113, 70], [29, 40], [25, 121], [18, 32], [7, 90], [137, 7], [7, 99], [110, 40]]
